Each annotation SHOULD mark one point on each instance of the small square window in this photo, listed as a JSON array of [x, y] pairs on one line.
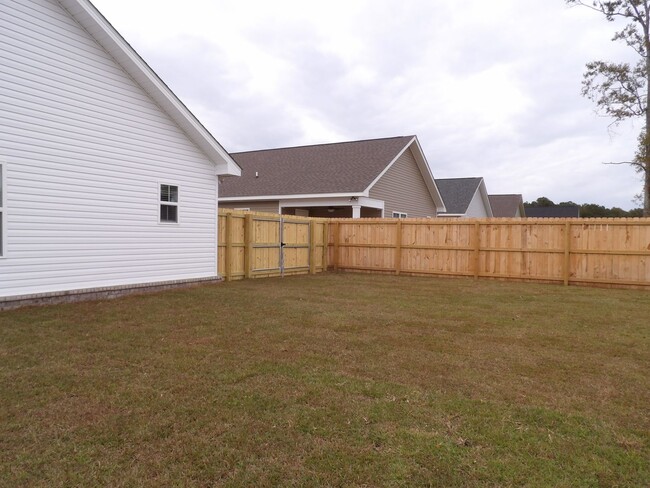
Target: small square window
[[400, 215], [169, 204]]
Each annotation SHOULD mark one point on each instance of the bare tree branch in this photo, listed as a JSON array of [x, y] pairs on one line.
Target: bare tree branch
[[621, 91]]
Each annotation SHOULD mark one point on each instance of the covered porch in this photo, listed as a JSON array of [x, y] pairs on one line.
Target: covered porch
[[345, 207]]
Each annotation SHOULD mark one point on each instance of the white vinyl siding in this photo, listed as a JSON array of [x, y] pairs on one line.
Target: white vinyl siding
[[476, 207], [88, 149], [2, 211]]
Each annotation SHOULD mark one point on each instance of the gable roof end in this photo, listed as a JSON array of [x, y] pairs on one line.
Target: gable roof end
[[105, 34], [425, 170], [507, 205], [457, 193], [343, 168]]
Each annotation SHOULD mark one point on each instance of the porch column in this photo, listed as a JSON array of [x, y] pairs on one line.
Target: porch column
[[356, 211]]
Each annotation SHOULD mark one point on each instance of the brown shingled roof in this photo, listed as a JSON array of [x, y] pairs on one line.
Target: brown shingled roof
[[505, 205], [346, 167]]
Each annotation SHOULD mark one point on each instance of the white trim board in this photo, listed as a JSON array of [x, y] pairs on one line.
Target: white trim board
[[105, 34]]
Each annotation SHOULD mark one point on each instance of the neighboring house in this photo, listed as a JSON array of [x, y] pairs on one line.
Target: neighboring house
[[555, 211], [464, 197], [107, 180], [373, 178], [507, 205]]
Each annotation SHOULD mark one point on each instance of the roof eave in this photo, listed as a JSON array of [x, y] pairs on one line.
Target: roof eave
[[252, 198], [107, 36]]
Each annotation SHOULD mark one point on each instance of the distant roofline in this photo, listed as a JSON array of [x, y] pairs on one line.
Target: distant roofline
[[563, 205], [321, 144], [464, 178]]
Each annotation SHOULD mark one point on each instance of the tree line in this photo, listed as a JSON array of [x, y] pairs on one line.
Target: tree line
[[588, 210]]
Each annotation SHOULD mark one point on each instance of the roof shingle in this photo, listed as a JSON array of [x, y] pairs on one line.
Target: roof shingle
[[457, 193], [346, 167], [506, 205]]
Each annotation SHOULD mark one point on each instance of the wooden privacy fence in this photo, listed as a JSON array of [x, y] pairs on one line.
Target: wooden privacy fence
[[253, 245], [613, 252]]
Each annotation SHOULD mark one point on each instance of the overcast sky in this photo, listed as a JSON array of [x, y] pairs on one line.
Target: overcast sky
[[491, 88]]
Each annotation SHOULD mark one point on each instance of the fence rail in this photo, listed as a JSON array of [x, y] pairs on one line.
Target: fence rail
[[612, 252], [253, 245]]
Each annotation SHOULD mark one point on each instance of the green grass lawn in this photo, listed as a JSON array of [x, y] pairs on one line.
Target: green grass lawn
[[332, 380]]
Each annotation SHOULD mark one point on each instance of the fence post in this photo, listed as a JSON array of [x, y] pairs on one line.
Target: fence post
[[326, 241], [337, 230], [228, 257], [312, 247], [398, 248], [477, 248], [567, 252], [248, 239]]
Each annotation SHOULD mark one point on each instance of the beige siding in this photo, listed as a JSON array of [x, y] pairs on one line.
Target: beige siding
[[402, 188], [266, 206]]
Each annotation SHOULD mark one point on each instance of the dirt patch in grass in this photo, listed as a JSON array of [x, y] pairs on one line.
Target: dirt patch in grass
[[338, 380]]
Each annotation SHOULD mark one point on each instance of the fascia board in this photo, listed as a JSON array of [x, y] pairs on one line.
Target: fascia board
[[425, 170], [107, 36], [485, 197], [333, 202], [244, 198], [430, 181], [374, 182]]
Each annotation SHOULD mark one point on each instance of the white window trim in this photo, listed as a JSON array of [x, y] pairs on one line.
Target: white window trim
[[400, 215], [3, 210], [176, 204]]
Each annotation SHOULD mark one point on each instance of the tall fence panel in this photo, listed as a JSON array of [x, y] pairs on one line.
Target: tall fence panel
[[612, 252], [255, 245]]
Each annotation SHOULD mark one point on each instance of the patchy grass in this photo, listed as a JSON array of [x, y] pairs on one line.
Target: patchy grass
[[337, 380]]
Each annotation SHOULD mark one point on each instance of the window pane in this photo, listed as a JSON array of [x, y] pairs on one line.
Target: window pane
[[168, 213], [168, 193]]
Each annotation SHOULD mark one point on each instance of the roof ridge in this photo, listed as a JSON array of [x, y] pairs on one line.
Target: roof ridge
[[322, 144]]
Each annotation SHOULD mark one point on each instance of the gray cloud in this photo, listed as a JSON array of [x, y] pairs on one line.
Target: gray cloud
[[493, 93]]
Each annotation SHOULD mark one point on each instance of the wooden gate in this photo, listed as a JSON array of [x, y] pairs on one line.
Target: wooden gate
[[280, 246], [257, 245], [295, 255]]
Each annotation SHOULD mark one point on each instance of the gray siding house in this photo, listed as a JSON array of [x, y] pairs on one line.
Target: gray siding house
[[372, 178]]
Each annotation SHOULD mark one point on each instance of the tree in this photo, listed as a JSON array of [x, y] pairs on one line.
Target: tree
[[621, 90], [588, 210], [541, 202]]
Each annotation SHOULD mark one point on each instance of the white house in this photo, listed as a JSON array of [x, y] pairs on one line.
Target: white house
[[465, 197], [106, 179]]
